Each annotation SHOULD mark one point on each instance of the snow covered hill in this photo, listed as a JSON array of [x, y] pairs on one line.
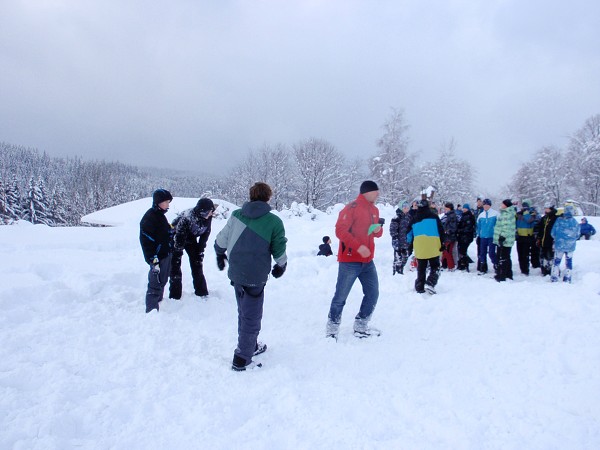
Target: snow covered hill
[[481, 365]]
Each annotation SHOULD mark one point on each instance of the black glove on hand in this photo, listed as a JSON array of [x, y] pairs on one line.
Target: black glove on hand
[[221, 261], [201, 256], [155, 267], [278, 270], [501, 240]]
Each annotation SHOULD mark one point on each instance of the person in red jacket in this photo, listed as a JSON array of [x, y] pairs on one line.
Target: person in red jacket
[[357, 227]]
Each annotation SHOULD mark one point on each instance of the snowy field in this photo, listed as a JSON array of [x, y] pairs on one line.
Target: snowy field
[[481, 365]]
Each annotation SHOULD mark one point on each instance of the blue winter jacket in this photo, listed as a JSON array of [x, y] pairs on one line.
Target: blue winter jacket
[[486, 223], [587, 228], [565, 233]]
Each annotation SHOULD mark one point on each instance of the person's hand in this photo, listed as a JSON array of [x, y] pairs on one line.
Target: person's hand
[[221, 261], [155, 266], [201, 256], [396, 244], [501, 240], [364, 251], [278, 270]]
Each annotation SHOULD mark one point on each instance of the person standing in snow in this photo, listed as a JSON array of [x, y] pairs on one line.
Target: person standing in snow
[[357, 226], [192, 229], [486, 222], [325, 247], [526, 221], [450, 224], [544, 239], [155, 239], [504, 238], [427, 234], [587, 229], [465, 234], [252, 235], [565, 233], [399, 226]]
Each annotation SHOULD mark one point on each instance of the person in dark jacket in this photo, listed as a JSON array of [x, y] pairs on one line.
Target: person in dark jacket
[[587, 230], [399, 226], [450, 224], [526, 249], [465, 234], [155, 239], [250, 238], [427, 234], [192, 229], [325, 247], [545, 241]]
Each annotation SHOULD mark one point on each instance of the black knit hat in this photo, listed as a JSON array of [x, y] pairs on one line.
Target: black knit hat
[[204, 205], [507, 202], [368, 186], [160, 195], [325, 239]]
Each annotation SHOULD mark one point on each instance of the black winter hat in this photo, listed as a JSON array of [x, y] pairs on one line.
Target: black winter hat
[[423, 204], [160, 195], [507, 202], [368, 186], [487, 201], [204, 205], [325, 239]]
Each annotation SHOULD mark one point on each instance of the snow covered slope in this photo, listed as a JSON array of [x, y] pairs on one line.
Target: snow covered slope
[[480, 365]]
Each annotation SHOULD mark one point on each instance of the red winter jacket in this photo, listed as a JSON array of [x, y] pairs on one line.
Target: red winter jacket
[[352, 228]]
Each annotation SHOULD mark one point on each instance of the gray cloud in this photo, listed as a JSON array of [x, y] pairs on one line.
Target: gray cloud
[[194, 85]]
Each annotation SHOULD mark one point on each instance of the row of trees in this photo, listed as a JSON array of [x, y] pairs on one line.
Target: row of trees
[[554, 174], [59, 191]]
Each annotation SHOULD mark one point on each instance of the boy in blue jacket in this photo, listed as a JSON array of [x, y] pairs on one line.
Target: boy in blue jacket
[[565, 233]]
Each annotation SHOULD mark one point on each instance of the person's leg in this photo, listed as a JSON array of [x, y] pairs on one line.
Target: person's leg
[[523, 254], [434, 271], [347, 274], [370, 287], [175, 286], [501, 264], [450, 256], [199, 281], [421, 272], [556, 265], [250, 300], [157, 283], [534, 251], [569, 267]]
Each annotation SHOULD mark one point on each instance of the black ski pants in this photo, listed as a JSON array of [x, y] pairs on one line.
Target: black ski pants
[[196, 257], [434, 273]]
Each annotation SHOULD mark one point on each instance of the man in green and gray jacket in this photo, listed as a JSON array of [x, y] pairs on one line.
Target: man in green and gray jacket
[[504, 238], [251, 236]]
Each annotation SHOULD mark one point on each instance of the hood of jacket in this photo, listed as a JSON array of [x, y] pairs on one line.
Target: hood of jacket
[[256, 209]]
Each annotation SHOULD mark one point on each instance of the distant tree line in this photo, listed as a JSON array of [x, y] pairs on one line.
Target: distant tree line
[[59, 191], [556, 174]]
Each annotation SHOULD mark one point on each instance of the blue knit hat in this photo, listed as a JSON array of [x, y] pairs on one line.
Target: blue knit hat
[[466, 206]]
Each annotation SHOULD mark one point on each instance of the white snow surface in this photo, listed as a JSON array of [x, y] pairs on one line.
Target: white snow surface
[[480, 365]]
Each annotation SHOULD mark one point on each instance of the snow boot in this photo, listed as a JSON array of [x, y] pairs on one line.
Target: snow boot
[[240, 365], [430, 289], [260, 348]]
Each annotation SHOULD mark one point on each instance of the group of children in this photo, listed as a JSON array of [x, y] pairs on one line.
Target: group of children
[[541, 242]]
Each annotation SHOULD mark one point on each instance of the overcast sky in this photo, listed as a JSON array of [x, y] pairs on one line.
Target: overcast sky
[[195, 84]]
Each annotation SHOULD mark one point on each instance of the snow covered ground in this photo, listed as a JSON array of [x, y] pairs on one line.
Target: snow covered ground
[[481, 365]]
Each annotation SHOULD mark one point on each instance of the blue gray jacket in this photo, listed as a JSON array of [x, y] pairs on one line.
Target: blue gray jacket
[[565, 233], [251, 236], [486, 223]]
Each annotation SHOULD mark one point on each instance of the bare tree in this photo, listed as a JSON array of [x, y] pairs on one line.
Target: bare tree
[[451, 176], [584, 158], [318, 166], [392, 167]]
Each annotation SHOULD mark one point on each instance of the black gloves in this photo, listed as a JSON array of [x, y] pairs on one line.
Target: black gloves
[[501, 240], [278, 270], [221, 258]]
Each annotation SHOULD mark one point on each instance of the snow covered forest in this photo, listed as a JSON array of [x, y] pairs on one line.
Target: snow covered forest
[[58, 191]]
